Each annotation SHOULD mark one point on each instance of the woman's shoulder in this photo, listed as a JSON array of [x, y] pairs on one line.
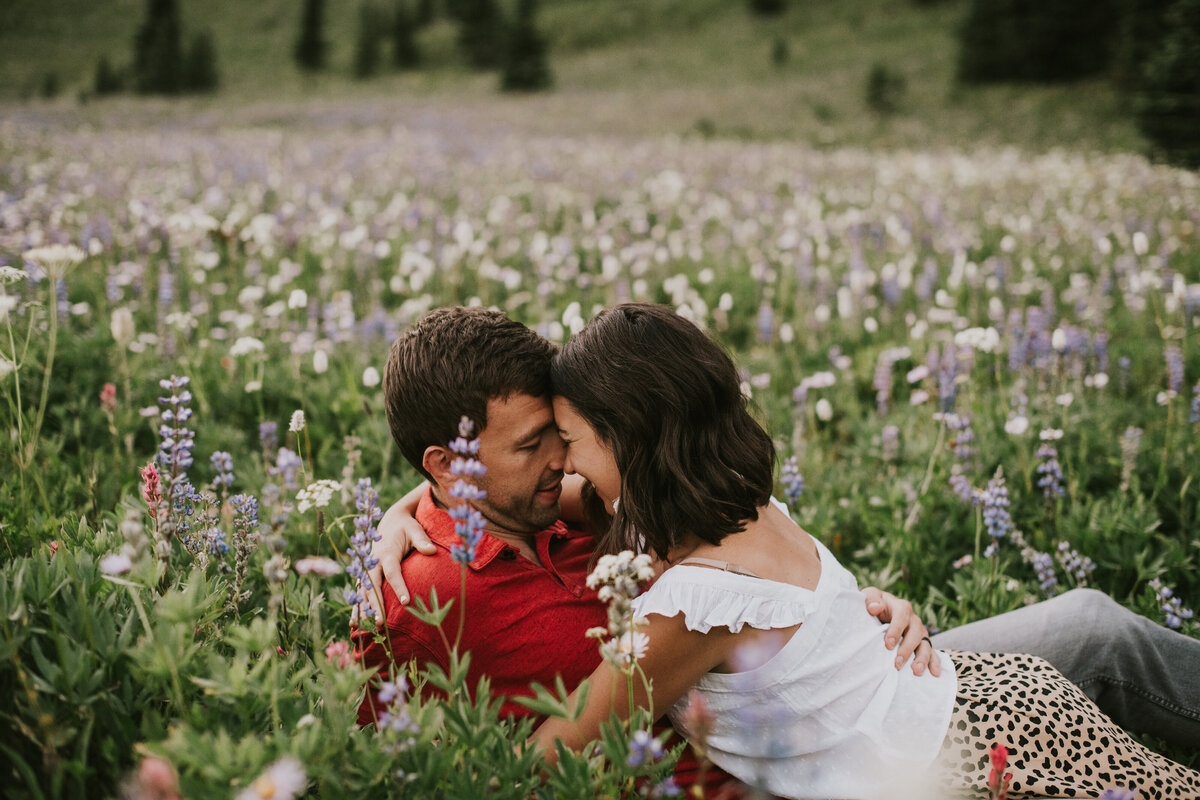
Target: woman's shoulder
[[709, 597]]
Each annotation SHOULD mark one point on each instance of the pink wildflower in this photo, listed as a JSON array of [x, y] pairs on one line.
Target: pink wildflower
[[108, 398], [156, 780], [339, 654], [151, 491]]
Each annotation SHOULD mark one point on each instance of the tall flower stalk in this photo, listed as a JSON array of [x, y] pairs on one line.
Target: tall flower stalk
[[468, 522]]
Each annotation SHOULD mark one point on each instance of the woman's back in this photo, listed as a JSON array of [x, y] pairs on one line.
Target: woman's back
[[826, 709]]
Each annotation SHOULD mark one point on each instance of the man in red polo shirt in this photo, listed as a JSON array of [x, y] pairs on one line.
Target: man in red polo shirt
[[524, 606]]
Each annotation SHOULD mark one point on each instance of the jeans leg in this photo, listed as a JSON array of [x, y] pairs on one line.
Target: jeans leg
[[1142, 675]]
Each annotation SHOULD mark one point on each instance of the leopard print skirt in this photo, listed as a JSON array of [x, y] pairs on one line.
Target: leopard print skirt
[[1060, 744]]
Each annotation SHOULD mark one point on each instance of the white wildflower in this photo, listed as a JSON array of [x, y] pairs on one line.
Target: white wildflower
[[123, 329], [1017, 426], [55, 258], [316, 495], [297, 299], [318, 565], [1050, 434], [297, 423], [320, 362], [1065, 399], [370, 377], [283, 780], [116, 564], [11, 275], [245, 345], [824, 410], [917, 374]]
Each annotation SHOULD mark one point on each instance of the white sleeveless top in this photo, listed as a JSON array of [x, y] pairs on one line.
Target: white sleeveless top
[[829, 715]]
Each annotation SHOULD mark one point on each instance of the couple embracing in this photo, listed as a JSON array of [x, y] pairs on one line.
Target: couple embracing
[[647, 410]]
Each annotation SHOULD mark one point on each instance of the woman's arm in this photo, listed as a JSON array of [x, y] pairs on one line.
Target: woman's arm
[[675, 659], [399, 534]]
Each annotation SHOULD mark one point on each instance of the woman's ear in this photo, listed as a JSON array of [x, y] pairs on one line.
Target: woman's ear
[[436, 461]]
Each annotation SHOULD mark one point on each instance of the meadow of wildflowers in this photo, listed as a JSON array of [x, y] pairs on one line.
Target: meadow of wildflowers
[[980, 369]]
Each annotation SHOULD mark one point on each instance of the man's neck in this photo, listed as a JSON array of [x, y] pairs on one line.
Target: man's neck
[[521, 541]]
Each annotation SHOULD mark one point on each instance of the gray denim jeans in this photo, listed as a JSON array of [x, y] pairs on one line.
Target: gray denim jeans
[[1142, 675]]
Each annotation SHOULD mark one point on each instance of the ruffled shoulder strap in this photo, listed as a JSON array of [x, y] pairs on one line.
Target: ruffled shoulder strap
[[710, 598]]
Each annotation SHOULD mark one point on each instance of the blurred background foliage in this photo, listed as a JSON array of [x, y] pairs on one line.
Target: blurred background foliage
[[1110, 75]]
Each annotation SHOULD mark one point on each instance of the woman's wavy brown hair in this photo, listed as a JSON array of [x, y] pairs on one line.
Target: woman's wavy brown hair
[[667, 399]]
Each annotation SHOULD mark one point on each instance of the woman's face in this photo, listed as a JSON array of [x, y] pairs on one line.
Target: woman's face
[[587, 454]]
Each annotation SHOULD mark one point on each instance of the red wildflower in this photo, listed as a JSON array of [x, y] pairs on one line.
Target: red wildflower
[[998, 780], [53, 547], [339, 653], [151, 491], [108, 398]]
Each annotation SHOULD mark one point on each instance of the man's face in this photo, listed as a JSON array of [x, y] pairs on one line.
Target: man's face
[[524, 458]]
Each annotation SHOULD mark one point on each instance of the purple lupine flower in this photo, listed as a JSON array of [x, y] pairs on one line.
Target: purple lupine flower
[[947, 386], [882, 383], [468, 522], [964, 435], [889, 438], [1174, 358], [1172, 607], [1118, 793], [643, 749], [175, 449], [366, 501], [245, 515], [1194, 417], [1100, 350], [395, 717], [1123, 364], [64, 305], [223, 464], [963, 488], [1077, 566], [268, 437], [1047, 579], [766, 324], [1051, 480], [995, 507], [793, 482], [287, 466]]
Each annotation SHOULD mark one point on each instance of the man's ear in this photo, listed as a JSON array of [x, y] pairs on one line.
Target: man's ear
[[437, 460]]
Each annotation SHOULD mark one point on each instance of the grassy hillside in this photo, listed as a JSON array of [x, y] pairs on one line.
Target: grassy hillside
[[651, 66]]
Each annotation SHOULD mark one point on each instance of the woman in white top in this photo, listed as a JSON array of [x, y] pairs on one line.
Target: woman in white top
[[760, 619]]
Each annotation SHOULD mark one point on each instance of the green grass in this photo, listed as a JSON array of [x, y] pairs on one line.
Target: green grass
[[651, 67]]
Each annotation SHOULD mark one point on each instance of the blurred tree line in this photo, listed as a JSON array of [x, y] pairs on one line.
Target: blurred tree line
[[1150, 48], [486, 39]]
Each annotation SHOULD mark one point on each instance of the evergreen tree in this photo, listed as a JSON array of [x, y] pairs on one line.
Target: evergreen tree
[[768, 8], [310, 46], [480, 33], [108, 80], [1036, 40], [525, 67], [1169, 107], [426, 13], [405, 54], [366, 49], [157, 52], [200, 64]]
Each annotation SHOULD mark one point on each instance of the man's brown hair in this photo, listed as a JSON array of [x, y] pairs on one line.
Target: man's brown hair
[[449, 365]]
